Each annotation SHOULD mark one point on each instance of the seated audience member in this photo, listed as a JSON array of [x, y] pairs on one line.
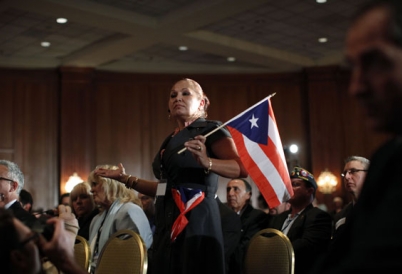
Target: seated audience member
[[148, 205], [338, 206], [373, 49], [119, 209], [238, 192], [354, 175], [279, 209], [307, 227], [26, 200], [83, 206], [231, 231], [20, 247], [321, 206], [262, 204], [64, 199], [11, 184]]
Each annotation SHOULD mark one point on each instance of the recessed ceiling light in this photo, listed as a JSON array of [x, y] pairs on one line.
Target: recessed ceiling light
[[45, 44], [183, 48], [231, 59], [322, 40], [321, 1], [61, 20]]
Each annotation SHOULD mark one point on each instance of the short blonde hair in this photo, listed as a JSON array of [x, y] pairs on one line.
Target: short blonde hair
[[114, 189], [81, 188]]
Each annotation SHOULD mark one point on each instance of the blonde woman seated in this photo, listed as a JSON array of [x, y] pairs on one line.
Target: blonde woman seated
[[119, 209], [83, 206]]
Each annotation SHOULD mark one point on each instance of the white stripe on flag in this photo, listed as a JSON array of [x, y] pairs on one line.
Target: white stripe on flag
[[192, 200], [266, 167], [273, 133]]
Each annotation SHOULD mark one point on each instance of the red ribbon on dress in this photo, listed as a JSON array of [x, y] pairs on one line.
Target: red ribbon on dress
[[186, 199]]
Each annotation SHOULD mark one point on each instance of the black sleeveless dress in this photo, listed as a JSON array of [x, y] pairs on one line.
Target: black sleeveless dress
[[199, 248]]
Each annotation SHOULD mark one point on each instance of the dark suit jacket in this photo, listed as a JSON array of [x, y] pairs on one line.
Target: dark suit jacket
[[339, 242], [36, 224], [310, 234], [85, 222], [376, 225], [231, 229], [252, 221], [21, 214], [340, 220]]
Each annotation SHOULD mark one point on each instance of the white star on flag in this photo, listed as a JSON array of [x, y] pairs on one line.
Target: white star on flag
[[253, 122]]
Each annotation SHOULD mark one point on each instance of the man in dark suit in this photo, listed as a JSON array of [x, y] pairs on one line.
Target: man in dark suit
[[11, 183], [374, 52], [354, 174], [231, 230], [307, 227], [238, 194]]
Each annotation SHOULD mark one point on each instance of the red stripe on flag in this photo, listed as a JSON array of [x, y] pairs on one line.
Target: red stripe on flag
[[281, 166], [263, 183]]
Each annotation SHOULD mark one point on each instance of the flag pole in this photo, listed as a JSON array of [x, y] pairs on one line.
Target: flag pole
[[224, 124]]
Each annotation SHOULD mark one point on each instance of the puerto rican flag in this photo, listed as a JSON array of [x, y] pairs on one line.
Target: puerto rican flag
[[186, 199], [256, 136]]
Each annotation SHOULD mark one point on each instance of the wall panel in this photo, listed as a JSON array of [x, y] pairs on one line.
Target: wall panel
[[60, 122], [29, 130], [76, 125]]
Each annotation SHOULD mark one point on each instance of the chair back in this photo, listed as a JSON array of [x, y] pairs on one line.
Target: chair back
[[82, 252], [269, 251], [124, 253]]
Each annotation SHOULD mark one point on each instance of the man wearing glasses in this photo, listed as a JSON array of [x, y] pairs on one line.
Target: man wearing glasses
[[11, 183], [354, 175]]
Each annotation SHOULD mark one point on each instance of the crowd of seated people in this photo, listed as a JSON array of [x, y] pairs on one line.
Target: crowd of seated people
[[103, 206], [375, 53]]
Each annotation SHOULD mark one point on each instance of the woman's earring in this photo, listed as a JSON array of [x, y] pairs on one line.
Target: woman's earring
[[169, 117]]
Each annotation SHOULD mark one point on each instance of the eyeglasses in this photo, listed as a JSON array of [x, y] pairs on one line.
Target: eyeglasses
[[6, 179], [351, 171], [34, 237]]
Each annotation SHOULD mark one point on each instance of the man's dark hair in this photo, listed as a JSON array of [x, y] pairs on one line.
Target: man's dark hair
[[26, 198], [261, 199], [62, 197], [246, 184]]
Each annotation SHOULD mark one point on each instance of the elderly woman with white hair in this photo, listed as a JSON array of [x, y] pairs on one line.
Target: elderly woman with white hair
[[119, 209]]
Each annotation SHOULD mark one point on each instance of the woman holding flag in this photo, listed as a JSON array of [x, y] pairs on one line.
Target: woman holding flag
[[188, 236]]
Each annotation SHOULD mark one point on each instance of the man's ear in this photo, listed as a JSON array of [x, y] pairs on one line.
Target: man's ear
[[14, 186]]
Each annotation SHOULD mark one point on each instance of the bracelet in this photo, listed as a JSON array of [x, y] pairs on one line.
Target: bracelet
[[209, 167], [136, 182], [133, 184]]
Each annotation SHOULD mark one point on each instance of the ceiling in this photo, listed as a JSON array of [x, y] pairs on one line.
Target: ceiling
[[144, 35]]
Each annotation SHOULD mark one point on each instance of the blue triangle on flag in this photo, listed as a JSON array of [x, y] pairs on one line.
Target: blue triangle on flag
[[254, 123]]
